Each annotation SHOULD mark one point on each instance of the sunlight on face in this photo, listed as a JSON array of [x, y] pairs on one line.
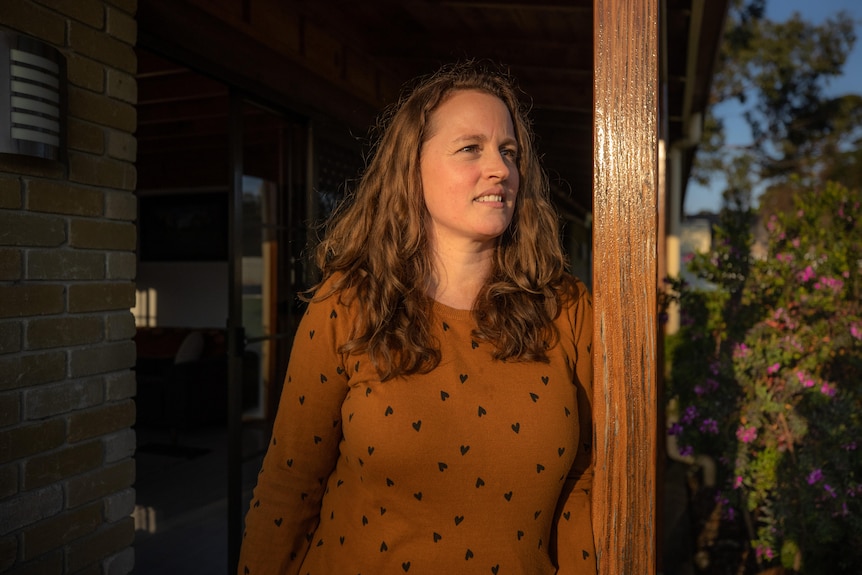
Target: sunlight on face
[[469, 170]]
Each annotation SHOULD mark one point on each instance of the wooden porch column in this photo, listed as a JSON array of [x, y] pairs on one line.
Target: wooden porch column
[[625, 191]]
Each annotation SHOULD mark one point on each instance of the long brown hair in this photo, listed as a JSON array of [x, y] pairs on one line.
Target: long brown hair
[[374, 251]]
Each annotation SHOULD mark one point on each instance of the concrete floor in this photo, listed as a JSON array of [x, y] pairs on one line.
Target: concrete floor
[[181, 512], [181, 509]]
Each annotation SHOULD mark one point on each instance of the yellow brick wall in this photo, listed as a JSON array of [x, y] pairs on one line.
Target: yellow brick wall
[[67, 269]]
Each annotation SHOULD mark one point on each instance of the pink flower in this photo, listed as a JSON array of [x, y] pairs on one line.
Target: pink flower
[[832, 283], [828, 389], [806, 275], [830, 490], [804, 379], [773, 368], [855, 330], [737, 483], [795, 242], [741, 350], [746, 434]]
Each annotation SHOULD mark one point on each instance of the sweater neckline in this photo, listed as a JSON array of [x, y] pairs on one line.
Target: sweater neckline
[[451, 313]]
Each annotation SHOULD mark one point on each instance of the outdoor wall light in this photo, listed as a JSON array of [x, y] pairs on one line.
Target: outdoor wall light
[[32, 94]]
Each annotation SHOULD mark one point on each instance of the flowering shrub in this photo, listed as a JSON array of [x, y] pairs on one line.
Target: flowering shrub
[[767, 368]]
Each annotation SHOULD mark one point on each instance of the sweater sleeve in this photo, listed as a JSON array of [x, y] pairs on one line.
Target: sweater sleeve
[[574, 542], [285, 507]]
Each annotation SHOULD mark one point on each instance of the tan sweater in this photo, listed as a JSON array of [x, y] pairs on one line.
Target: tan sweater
[[480, 466]]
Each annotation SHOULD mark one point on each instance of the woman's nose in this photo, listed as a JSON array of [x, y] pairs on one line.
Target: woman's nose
[[498, 166]]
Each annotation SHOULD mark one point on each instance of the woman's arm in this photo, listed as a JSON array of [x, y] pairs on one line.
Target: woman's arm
[[575, 545], [285, 507]]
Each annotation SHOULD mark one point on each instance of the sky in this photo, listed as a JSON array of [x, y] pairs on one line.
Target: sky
[[699, 198]]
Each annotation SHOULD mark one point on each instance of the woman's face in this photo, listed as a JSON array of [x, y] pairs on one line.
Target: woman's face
[[469, 171]]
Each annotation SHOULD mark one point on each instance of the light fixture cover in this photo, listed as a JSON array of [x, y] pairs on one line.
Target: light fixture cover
[[32, 97]]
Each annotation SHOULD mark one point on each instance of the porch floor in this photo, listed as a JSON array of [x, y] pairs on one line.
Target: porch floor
[[181, 490], [181, 512]]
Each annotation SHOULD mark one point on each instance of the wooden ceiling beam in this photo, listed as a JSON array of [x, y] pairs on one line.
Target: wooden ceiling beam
[[558, 6]]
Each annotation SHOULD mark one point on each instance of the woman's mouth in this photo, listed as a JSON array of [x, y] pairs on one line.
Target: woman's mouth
[[490, 198]]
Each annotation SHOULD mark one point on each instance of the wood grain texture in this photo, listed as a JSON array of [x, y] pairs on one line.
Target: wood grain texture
[[624, 283]]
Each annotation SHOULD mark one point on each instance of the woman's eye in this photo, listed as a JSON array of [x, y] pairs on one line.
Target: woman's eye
[[470, 148], [510, 153]]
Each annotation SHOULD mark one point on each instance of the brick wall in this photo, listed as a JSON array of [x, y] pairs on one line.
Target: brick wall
[[67, 267]]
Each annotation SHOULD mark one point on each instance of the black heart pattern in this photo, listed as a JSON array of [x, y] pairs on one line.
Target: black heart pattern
[[464, 449]]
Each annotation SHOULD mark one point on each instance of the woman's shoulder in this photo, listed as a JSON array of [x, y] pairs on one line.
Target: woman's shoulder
[[332, 291], [336, 284], [572, 291]]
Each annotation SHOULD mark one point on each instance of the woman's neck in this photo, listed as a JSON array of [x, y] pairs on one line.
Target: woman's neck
[[459, 277]]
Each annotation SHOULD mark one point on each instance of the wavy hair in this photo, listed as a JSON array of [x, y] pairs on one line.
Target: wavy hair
[[375, 248]]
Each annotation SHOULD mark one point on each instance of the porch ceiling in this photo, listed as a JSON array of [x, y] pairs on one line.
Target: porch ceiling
[[547, 44]]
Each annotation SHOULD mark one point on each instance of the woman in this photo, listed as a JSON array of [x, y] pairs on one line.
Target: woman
[[435, 416]]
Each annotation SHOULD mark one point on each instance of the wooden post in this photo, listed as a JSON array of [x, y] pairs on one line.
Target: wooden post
[[624, 283]]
